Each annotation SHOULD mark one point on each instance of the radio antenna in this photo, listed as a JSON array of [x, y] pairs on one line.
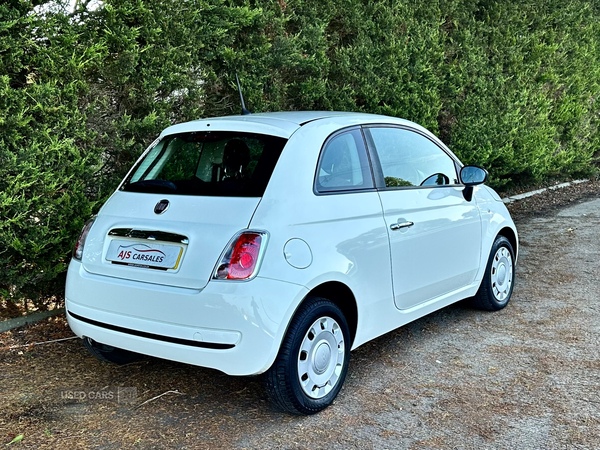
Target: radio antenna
[[244, 110]]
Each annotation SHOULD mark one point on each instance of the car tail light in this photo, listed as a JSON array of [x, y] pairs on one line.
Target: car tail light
[[242, 258], [78, 250]]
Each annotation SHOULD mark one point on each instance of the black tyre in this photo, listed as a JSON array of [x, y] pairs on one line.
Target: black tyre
[[313, 359], [499, 278], [110, 354]]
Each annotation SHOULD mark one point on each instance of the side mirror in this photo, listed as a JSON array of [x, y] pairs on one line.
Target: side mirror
[[473, 175]]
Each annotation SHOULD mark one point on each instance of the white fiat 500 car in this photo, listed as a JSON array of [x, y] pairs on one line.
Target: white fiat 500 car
[[277, 243]]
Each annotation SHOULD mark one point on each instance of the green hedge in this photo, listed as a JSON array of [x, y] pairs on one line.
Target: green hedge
[[511, 86]]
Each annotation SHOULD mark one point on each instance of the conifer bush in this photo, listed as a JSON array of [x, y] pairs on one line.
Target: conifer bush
[[512, 86], [47, 152]]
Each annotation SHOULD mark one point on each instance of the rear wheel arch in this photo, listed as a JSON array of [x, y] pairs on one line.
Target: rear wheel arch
[[343, 297], [312, 363]]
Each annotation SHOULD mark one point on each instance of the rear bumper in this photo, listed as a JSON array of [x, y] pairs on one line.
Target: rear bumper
[[233, 327]]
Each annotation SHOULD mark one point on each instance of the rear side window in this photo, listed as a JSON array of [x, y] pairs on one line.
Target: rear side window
[[214, 163], [344, 164]]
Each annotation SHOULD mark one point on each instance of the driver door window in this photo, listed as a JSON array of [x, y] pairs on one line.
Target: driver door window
[[408, 159]]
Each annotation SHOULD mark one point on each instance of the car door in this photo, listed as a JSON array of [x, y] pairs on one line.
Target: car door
[[434, 232]]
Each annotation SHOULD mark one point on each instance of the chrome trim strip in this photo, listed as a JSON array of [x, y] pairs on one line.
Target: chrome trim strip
[[150, 235], [397, 226]]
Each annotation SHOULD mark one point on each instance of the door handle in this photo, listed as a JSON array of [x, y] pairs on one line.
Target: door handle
[[397, 226]]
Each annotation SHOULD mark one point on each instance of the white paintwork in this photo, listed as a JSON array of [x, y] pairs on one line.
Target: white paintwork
[[297, 253], [440, 252], [208, 222], [391, 274], [254, 310]]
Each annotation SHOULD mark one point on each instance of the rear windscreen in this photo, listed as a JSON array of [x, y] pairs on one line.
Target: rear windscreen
[[215, 163]]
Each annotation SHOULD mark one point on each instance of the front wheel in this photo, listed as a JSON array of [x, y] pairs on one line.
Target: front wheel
[[498, 281], [313, 359]]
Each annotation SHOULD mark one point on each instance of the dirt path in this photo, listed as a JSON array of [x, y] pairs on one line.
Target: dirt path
[[527, 377]]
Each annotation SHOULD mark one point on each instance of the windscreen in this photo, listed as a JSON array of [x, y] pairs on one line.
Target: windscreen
[[217, 163]]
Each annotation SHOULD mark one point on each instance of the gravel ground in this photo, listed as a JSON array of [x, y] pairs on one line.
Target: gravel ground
[[527, 377]]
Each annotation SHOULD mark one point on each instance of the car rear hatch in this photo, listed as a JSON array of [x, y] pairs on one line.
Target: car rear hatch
[[179, 207], [179, 247]]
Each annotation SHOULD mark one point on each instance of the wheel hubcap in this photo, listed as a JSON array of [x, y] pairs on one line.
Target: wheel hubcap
[[502, 273], [321, 357]]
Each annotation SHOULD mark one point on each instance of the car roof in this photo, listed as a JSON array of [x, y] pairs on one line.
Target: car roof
[[282, 124], [301, 117]]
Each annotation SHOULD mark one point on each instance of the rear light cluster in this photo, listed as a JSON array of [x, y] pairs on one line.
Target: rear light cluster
[[242, 258], [78, 250]]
